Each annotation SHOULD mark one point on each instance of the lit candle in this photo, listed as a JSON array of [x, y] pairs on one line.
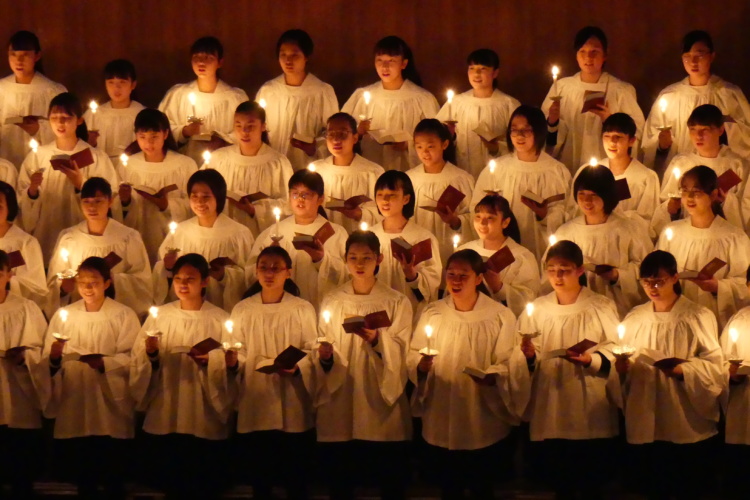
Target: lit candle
[[555, 74], [277, 214], [191, 98], [552, 240], [206, 158], [262, 103], [34, 145], [621, 332], [456, 240], [529, 309], [368, 98], [363, 226], [327, 316], [428, 333], [93, 106], [311, 167], [64, 315], [62, 337], [493, 166], [450, 94], [172, 227], [65, 256], [229, 325], [734, 335], [663, 107], [677, 174], [669, 234], [593, 162], [153, 311], [124, 160]]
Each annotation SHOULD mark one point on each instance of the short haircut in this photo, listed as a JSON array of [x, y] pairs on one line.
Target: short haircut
[[298, 37], [566, 250], [538, 123], [484, 57], [195, 260], [95, 185], [620, 122], [367, 238], [601, 181], [215, 182], [24, 40], [393, 180], [584, 34], [208, 45], [344, 117], [707, 115], [69, 104], [656, 261], [311, 180], [99, 265], [119, 68], [697, 36], [289, 285], [10, 199]]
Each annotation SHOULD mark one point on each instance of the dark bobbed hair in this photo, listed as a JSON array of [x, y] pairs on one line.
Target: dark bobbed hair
[[99, 265], [620, 122], [215, 182], [10, 199], [694, 37], [707, 115], [659, 260], [208, 45], [120, 68], [437, 128], [69, 104], [289, 285], [601, 181], [254, 109], [485, 57], [496, 204], [706, 180], [94, 185], [474, 260], [195, 260], [367, 238], [584, 34], [312, 181], [393, 180], [153, 120], [298, 37], [538, 123], [395, 46], [26, 40], [567, 250]]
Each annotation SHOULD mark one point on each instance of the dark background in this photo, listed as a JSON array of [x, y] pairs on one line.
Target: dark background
[[79, 37]]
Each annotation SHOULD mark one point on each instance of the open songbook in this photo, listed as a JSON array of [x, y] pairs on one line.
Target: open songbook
[[286, 360], [706, 273], [303, 138], [301, 240], [18, 120], [213, 135], [530, 197], [420, 252], [203, 347], [15, 259], [372, 321], [142, 189], [728, 180], [658, 359], [500, 260], [83, 158], [448, 201], [389, 136], [592, 99], [598, 268], [236, 197], [486, 133], [348, 204], [585, 346]]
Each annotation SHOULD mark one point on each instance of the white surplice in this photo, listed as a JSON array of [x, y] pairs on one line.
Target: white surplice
[[116, 126], [736, 397], [28, 279]]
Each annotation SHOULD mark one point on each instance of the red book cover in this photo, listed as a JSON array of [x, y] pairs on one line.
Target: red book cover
[[500, 260], [421, 251], [82, 158]]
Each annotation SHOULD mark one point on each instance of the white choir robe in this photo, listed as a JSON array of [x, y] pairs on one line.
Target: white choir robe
[[180, 397], [393, 111], [302, 110], [569, 401], [682, 99], [644, 191], [512, 177], [619, 242], [272, 402], [472, 112], [144, 216], [58, 206], [131, 277], [429, 272], [226, 238], [694, 247], [267, 172], [427, 190], [661, 408], [362, 396], [116, 127], [28, 280], [727, 160], [8, 172], [579, 135], [520, 279], [457, 413], [82, 400], [343, 182], [736, 397], [22, 324], [216, 109], [17, 99], [313, 279]]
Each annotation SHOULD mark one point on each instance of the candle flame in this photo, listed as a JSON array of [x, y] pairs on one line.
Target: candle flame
[[229, 324], [153, 311], [207, 156], [552, 240], [669, 234], [34, 145], [262, 103], [663, 104], [124, 160], [493, 166], [456, 240], [593, 162], [450, 94], [63, 315], [93, 106], [277, 212], [367, 97], [555, 72], [64, 254], [529, 309], [621, 331], [172, 227], [327, 316], [311, 167], [428, 331], [191, 98], [676, 172], [363, 226], [734, 334]]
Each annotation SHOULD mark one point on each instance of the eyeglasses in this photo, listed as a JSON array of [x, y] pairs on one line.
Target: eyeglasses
[[338, 135], [302, 196], [524, 132], [655, 283], [272, 270]]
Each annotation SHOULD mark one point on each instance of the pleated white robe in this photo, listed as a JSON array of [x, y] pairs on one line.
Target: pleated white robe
[[28, 280], [8, 172], [736, 397], [115, 127]]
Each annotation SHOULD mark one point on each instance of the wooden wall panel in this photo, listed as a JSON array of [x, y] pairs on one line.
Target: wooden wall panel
[[79, 37]]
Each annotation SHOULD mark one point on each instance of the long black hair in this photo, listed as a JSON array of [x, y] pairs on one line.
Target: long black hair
[[706, 180], [252, 108], [437, 128]]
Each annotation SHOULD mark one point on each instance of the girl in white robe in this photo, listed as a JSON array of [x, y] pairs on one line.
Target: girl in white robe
[[28, 279], [479, 117], [252, 166], [576, 136], [85, 366], [347, 174], [607, 238], [8, 172], [431, 178], [207, 123], [681, 98], [111, 126], [671, 413], [518, 283], [574, 396], [362, 413], [156, 167], [48, 198], [100, 236], [25, 95], [319, 267], [224, 243], [297, 103], [275, 415], [395, 197], [703, 236], [21, 342], [528, 168], [466, 418], [394, 107], [182, 387]]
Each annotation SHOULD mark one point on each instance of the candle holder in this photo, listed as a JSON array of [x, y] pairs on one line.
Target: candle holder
[[735, 361], [365, 118], [229, 347], [555, 98], [664, 128], [62, 337], [623, 351], [194, 119], [67, 274], [153, 333], [173, 249], [276, 238], [429, 352], [529, 335]]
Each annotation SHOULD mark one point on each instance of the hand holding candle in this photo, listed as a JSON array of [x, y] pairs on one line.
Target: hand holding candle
[[450, 95], [734, 356], [192, 99], [555, 74], [34, 145], [368, 115], [93, 106]]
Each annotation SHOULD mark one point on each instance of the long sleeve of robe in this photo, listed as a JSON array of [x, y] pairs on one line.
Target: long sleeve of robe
[[368, 402], [661, 408], [28, 280], [458, 413], [392, 111], [273, 402], [470, 113], [302, 110], [737, 395], [115, 127], [8, 172], [177, 395], [84, 401]]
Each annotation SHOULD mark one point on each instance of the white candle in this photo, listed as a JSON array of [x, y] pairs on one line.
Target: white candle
[[363, 226], [529, 309], [229, 325], [555, 73], [277, 214], [64, 315], [93, 106], [428, 333], [206, 158], [677, 174], [456, 240], [153, 311], [65, 256], [450, 94], [262, 103], [368, 98], [593, 162], [552, 240], [669, 234], [663, 107], [172, 227], [124, 160], [311, 167], [621, 332], [34, 145], [327, 316], [493, 166], [191, 98]]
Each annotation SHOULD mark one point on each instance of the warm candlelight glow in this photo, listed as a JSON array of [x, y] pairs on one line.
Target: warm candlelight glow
[[493, 166], [277, 213], [367, 97], [552, 240], [734, 335], [676, 172], [529, 309], [327, 316], [172, 227], [206, 157], [593, 162], [311, 167], [153, 311], [262, 103], [229, 325], [191, 98], [93, 106], [456, 240], [621, 331], [363, 226], [64, 255], [34, 145], [428, 331], [663, 104], [124, 160], [669, 234], [63, 315], [555, 72], [450, 95]]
